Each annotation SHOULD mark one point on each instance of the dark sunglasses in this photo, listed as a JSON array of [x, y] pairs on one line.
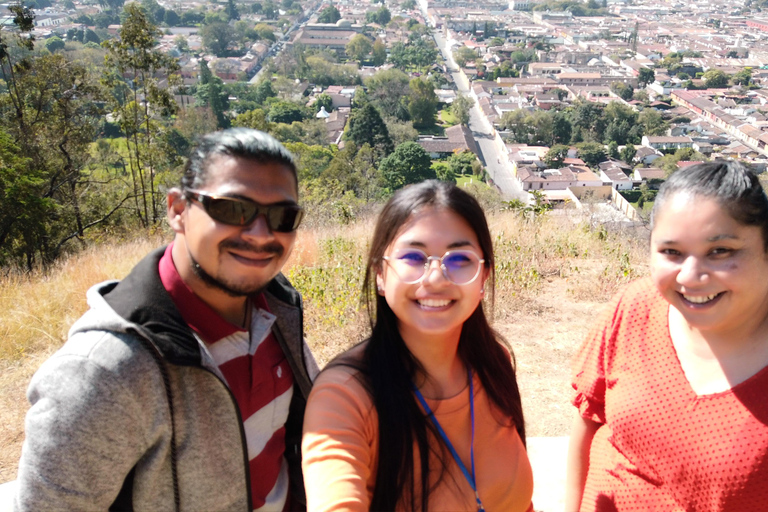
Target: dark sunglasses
[[282, 218]]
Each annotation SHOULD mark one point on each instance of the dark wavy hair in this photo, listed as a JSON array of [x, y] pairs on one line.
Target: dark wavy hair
[[733, 185], [235, 142], [388, 367]]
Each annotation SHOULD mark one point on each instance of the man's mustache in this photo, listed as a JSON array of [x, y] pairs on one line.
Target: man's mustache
[[241, 245]]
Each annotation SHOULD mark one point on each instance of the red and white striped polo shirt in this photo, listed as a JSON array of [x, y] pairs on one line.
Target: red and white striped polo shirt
[[259, 376]]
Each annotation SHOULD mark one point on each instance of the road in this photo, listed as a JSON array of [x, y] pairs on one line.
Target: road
[[495, 160]]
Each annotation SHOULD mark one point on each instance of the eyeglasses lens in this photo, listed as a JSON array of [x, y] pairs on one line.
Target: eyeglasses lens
[[460, 267]]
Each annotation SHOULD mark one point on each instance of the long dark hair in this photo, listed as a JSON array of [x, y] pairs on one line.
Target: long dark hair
[[388, 367]]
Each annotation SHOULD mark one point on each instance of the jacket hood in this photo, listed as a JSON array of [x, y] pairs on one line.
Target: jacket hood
[[139, 304]]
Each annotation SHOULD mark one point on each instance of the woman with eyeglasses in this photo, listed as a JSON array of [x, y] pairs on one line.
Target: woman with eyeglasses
[[425, 414]]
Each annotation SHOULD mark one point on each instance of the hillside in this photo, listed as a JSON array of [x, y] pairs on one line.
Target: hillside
[[553, 275]]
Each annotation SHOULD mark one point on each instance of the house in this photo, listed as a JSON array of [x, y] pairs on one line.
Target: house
[[616, 178], [664, 142], [649, 173], [645, 155], [457, 138], [334, 124], [532, 178]]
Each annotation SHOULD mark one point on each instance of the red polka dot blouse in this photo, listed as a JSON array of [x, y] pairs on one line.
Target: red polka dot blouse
[[662, 447]]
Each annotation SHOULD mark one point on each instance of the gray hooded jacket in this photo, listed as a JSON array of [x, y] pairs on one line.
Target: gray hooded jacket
[[134, 397]]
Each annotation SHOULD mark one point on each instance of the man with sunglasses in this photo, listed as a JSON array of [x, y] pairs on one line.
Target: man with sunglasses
[[184, 386]]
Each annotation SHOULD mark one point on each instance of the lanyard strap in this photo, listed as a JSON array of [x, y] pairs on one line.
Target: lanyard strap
[[470, 477]]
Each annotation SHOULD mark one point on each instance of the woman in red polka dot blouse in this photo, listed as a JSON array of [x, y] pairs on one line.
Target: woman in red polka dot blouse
[[672, 384]]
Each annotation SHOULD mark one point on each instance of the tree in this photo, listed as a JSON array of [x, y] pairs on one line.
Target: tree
[[323, 100], [622, 90], [589, 117], [591, 152], [388, 89], [382, 16], [286, 112], [561, 128], [264, 90], [628, 153], [172, 18], [210, 92], [652, 123], [50, 118], [231, 10], [613, 149], [217, 37], [358, 48], [409, 163], [139, 104], [265, 31], [379, 51], [329, 15], [256, 119], [463, 54], [365, 126], [54, 44], [422, 103], [181, 43], [460, 108], [555, 156], [462, 163], [646, 76], [716, 79], [444, 172], [743, 77]]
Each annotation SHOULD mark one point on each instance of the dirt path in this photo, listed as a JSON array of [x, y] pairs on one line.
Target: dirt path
[[544, 337]]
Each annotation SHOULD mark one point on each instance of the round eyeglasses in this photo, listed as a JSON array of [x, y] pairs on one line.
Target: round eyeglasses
[[459, 267]]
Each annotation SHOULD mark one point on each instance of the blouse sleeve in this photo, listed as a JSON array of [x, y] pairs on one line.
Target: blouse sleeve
[[339, 444], [590, 362]]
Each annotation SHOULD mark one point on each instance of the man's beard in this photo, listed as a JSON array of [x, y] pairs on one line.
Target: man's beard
[[232, 289]]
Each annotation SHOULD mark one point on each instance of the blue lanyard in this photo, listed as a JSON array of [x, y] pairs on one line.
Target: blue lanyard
[[470, 477]]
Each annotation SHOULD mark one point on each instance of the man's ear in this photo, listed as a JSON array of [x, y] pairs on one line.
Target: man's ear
[[177, 203]]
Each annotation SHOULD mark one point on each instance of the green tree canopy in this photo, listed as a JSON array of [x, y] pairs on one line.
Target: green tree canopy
[[329, 15], [217, 37], [628, 153], [407, 164], [463, 54], [382, 16], [379, 52], [365, 126], [422, 103], [645, 76], [591, 152], [388, 90], [716, 79], [286, 112], [54, 44], [555, 156], [358, 48], [460, 108]]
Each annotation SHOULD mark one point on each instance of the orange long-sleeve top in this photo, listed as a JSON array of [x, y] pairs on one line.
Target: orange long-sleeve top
[[340, 450]]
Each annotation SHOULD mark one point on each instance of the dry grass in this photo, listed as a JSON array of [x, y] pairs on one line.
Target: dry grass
[[553, 274]]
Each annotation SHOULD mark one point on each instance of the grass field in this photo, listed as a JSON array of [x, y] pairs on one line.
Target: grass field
[[553, 275]]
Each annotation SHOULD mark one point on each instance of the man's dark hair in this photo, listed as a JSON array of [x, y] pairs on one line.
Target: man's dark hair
[[235, 142], [733, 185]]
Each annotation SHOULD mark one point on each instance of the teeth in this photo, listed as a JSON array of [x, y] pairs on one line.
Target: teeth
[[433, 303], [700, 299]]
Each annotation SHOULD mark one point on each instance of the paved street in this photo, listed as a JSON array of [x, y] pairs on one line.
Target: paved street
[[492, 156]]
